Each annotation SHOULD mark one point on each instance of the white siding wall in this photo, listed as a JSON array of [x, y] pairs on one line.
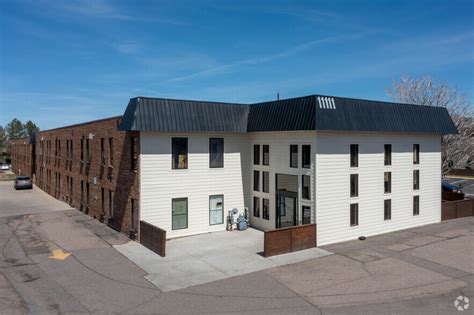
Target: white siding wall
[[279, 163], [332, 190], [159, 183]]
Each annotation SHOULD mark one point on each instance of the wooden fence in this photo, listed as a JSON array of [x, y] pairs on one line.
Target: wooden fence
[[289, 239], [457, 209], [153, 238]]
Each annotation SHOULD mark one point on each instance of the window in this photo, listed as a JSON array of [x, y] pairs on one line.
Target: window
[[134, 148], [306, 212], [134, 215], [387, 154], [102, 154], [180, 153], [354, 185], [256, 154], [266, 182], [179, 213], [306, 187], [387, 181], [387, 209], [266, 208], [306, 156], [416, 154], [87, 194], [354, 155], [111, 151], [82, 149], [216, 152], [87, 153], [294, 156], [354, 214], [266, 154], [216, 209], [111, 204], [102, 208], [256, 207], [256, 180], [416, 205], [416, 180]]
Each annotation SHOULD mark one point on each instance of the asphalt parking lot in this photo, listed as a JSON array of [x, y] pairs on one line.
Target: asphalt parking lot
[[421, 270]]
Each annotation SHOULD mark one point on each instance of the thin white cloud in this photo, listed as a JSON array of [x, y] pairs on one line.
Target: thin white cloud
[[97, 9], [269, 58]]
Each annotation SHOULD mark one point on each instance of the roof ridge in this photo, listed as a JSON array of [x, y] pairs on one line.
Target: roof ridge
[[184, 100]]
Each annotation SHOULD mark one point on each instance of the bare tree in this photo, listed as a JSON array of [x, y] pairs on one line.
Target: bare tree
[[458, 149]]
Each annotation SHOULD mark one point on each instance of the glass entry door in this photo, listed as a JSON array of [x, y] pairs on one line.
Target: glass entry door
[[286, 190], [286, 211]]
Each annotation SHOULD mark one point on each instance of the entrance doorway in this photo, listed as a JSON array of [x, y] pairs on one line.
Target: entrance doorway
[[286, 200]]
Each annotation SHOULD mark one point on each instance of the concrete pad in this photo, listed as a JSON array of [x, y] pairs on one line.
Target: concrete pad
[[423, 240], [365, 255], [399, 247], [18, 202], [209, 257], [456, 253]]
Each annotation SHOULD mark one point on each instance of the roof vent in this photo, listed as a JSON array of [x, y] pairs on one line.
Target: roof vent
[[326, 102]]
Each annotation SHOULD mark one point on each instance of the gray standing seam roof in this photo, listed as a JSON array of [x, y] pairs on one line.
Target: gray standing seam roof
[[314, 112]]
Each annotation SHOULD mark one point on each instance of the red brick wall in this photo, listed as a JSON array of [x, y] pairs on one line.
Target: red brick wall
[[124, 181], [22, 157]]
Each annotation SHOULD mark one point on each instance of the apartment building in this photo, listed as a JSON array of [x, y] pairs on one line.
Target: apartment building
[[353, 167], [92, 166]]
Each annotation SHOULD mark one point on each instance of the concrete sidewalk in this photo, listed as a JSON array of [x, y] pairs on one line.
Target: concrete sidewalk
[[209, 257]]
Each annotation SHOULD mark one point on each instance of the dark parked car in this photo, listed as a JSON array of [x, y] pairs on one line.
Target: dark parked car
[[23, 182], [451, 192]]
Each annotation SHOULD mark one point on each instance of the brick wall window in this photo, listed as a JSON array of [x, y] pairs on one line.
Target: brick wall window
[[102, 151], [134, 215], [82, 149], [111, 204], [134, 153], [111, 151], [102, 200]]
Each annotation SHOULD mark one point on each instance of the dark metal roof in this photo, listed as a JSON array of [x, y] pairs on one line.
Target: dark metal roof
[[167, 115], [283, 115], [314, 112]]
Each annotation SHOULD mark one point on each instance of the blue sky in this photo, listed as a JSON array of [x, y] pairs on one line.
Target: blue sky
[[64, 62]]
